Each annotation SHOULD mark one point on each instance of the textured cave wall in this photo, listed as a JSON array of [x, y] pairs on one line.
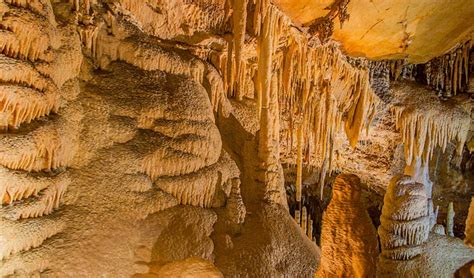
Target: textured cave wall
[[128, 135]]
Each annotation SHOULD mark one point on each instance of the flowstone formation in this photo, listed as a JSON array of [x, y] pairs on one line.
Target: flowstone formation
[[348, 237], [40, 63], [113, 153]]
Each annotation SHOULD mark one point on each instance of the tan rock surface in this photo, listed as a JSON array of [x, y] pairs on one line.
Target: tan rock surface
[[381, 29], [348, 237]]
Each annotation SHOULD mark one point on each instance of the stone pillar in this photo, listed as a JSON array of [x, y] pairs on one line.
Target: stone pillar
[[405, 221]]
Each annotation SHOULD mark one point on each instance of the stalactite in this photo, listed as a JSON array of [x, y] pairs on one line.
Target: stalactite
[[48, 200], [175, 18], [145, 55], [40, 59], [19, 236], [20, 104], [450, 72], [450, 220], [46, 148], [426, 123], [202, 188], [239, 24], [21, 185], [318, 88], [299, 164], [268, 110], [148, 54]]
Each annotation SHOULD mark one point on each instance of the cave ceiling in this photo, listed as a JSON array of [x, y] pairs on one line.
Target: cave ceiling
[[387, 29]]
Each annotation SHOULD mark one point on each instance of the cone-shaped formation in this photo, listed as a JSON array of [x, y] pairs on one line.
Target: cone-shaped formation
[[348, 237], [405, 222]]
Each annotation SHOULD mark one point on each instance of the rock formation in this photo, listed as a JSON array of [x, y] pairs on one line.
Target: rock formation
[[144, 138], [348, 240], [405, 223], [408, 248]]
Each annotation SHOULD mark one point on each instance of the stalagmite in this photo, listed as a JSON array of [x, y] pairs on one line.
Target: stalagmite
[[450, 220], [298, 217], [439, 230], [469, 232], [309, 232], [405, 223], [344, 253], [304, 219]]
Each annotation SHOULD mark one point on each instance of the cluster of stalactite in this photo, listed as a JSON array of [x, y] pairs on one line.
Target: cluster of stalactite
[[310, 203], [318, 90], [426, 123], [448, 75], [197, 179], [311, 206], [109, 37]]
